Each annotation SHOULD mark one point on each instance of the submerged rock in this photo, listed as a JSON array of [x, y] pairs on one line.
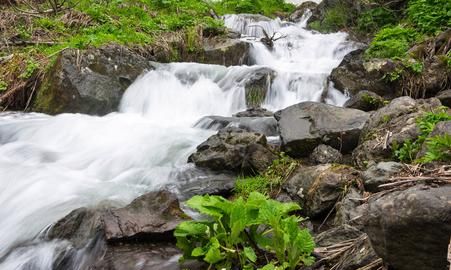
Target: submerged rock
[[318, 188], [234, 149], [306, 125], [89, 81], [410, 229]]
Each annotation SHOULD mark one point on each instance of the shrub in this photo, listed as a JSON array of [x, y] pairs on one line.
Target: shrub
[[336, 18], [430, 16], [438, 148], [264, 7], [376, 18], [245, 234], [391, 42]]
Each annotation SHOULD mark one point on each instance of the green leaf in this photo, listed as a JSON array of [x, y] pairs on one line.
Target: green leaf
[[189, 228], [198, 252], [250, 254], [213, 254], [215, 206]]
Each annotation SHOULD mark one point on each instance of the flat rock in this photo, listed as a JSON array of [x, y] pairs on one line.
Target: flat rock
[[263, 125]]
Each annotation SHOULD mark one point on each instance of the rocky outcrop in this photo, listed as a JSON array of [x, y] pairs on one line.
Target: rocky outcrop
[[235, 150], [365, 101], [318, 188], [354, 74], [263, 125], [152, 216], [410, 228], [306, 125], [323, 154], [390, 126], [89, 81]]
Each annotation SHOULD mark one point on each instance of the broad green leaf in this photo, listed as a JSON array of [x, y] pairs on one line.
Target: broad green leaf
[[215, 206], [199, 251], [189, 228], [268, 267], [250, 254], [214, 253]]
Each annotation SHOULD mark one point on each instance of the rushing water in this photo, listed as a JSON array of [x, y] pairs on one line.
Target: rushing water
[[50, 165]]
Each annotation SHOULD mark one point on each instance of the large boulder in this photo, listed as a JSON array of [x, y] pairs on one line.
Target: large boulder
[[390, 126], [318, 188], [263, 125], [305, 125], [410, 229], [152, 216], [354, 74], [234, 149], [89, 81]]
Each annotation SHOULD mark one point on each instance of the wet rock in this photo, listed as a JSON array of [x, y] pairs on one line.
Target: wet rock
[[445, 97], [323, 154], [390, 126], [257, 86], [354, 74], [296, 16], [89, 81], [152, 216], [255, 112], [441, 129], [410, 228], [318, 188], [380, 173], [263, 125], [365, 101], [306, 125], [236, 150], [350, 209]]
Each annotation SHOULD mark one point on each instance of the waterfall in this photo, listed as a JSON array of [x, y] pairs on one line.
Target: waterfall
[[51, 165]]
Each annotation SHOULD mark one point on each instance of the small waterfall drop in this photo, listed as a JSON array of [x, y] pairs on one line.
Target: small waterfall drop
[[51, 165]]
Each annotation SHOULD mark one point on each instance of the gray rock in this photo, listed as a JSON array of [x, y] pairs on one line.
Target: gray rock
[[445, 97], [255, 112], [365, 101], [441, 129], [305, 125], [263, 125], [89, 81], [390, 126], [354, 74], [257, 86], [410, 229], [349, 210], [323, 154], [301, 9], [379, 174], [336, 235], [236, 150], [151, 216], [318, 188]]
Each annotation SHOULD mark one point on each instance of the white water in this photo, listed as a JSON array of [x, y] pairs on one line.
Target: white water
[[52, 165]]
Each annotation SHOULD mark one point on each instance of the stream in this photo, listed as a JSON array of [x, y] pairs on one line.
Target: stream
[[51, 165]]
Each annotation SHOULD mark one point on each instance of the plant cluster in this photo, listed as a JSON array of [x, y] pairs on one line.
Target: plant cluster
[[438, 148], [392, 42], [265, 7], [252, 233], [430, 16]]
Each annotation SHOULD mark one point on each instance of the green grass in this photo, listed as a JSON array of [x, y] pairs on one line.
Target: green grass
[[268, 8]]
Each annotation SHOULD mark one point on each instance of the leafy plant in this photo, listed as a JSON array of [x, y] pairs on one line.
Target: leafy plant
[[373, 19], [245, 233], [32, 65], [430, 16], [438, 149], [3, 86], [391, 42]]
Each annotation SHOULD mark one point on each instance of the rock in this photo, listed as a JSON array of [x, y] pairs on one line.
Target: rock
[[255, 112], [318, 188], [365, 101], [306, 125], [297, 15], [336, 235], [152, 216], [89, 81], [234, 150], [379, 173], [441, 129], [263, 125], [445, 97], [410, 228], [354, 74], [323, 154], [257, 85], [390, 126], [349, 210]]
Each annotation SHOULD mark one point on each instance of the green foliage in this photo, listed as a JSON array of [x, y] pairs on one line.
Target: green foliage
[[264, 7], [438, 149], [335, 19], [430, 16], [247, 185], [391, 42], [31, 67], [245, 233], [408, 151], [376, 18], [3, 86]]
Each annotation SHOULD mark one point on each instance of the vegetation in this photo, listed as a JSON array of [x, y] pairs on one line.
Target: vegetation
[[430, 16], [437, 147], [245, 233], [265, 7], [392, 42]]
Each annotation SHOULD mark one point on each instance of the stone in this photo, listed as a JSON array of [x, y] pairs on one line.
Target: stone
[[235, 150], [380, 173], [410, 229], [255, 112], [445, 97], [350, 209], [297, 15], [318, 188], [323, 154], [263, 125], [365, 101], [306, 125], [390, 126], [89, 81]]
